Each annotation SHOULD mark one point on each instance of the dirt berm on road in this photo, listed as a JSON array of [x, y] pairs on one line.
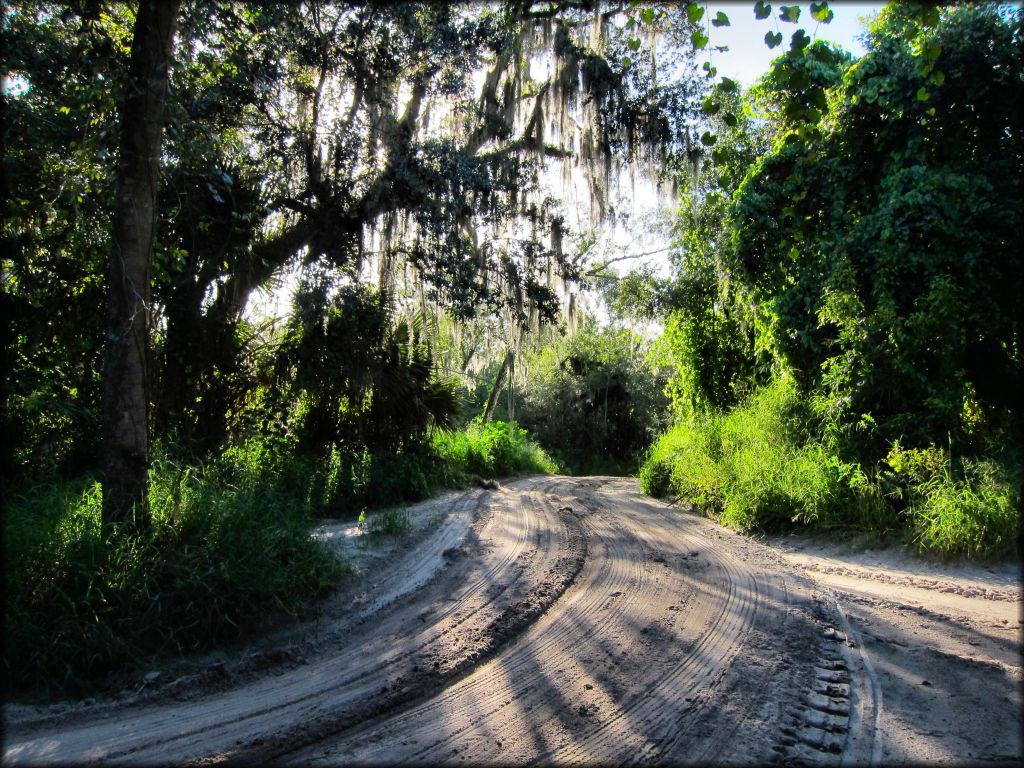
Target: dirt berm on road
[[572, 620]]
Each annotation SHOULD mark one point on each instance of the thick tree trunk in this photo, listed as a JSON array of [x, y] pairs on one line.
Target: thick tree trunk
[[125, 384]]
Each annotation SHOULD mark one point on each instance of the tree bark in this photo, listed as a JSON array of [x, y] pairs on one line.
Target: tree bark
[[125, 381], [493, 397]]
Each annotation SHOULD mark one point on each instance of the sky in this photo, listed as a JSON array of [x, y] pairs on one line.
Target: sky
[[748, 56]]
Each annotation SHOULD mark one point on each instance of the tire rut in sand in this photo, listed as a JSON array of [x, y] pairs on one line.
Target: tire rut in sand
[[576, 622], [636, 662], [496, 606]]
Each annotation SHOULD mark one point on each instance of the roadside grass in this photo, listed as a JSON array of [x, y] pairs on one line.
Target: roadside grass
[[393, 521], [229, 554], [493, 449], [758, 468]]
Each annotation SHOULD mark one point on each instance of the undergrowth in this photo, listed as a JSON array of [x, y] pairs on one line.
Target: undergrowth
[[759, 467], [229, 553]]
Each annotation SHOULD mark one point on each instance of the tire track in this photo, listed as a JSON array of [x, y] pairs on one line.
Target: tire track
[[573, 622], [561, 693], [239, 720]]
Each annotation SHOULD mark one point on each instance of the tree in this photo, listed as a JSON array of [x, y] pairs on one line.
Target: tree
[[125, 370], [353, 138], [592, 398], [883, 246], [710, 337], [438, 199]]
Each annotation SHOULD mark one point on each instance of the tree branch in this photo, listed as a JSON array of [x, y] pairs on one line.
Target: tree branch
[[598, 269]]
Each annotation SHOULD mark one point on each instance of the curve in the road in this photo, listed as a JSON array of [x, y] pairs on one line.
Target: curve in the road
[[557, 620]]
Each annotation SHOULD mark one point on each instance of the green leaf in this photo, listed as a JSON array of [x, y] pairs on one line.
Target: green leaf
[[708, 139], [790, 13], [932, 51], [699, 39], [710, 106], [633, 43], [647, 15], [773, 39], [729, 85], [720, 20], [923, 94], [820, 12], [938, 78], [762, 10], [799, 41], [794, 111], [798, 81], [626, 62], [694, 13], [730, 119]]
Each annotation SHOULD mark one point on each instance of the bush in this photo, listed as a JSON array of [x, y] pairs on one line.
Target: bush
[[229, 553], [755, 469], [495, 448], [759, 467], [593, 400], [965, 508]]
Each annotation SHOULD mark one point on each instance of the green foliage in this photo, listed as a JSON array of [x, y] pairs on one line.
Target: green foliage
[[229, 554], [55, 209], [762, 467], [867, 250], [977, 516], [593, 400], [756, 469], [357, 377], [956, 508], [885, 249], [393, 521], [710, 339], [494, 449]]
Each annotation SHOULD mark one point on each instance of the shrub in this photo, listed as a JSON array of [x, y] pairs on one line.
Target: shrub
[[494, 448], [229, 553], [967, 508], [759, 467], [755, 468]]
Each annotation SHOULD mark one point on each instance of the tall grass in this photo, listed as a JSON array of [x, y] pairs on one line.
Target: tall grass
[[759, 467], [493, 449], [968, 508], [229, 552]]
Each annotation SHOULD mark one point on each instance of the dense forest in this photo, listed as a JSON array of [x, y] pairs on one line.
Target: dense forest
[[838, 346]]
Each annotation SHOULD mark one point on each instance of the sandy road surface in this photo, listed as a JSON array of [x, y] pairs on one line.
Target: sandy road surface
[[571, 620]]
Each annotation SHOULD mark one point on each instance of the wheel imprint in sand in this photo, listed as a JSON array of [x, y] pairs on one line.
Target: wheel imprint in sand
[[576, 621]]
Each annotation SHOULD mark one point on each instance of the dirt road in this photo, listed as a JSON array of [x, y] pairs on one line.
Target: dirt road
[[561, 620]]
